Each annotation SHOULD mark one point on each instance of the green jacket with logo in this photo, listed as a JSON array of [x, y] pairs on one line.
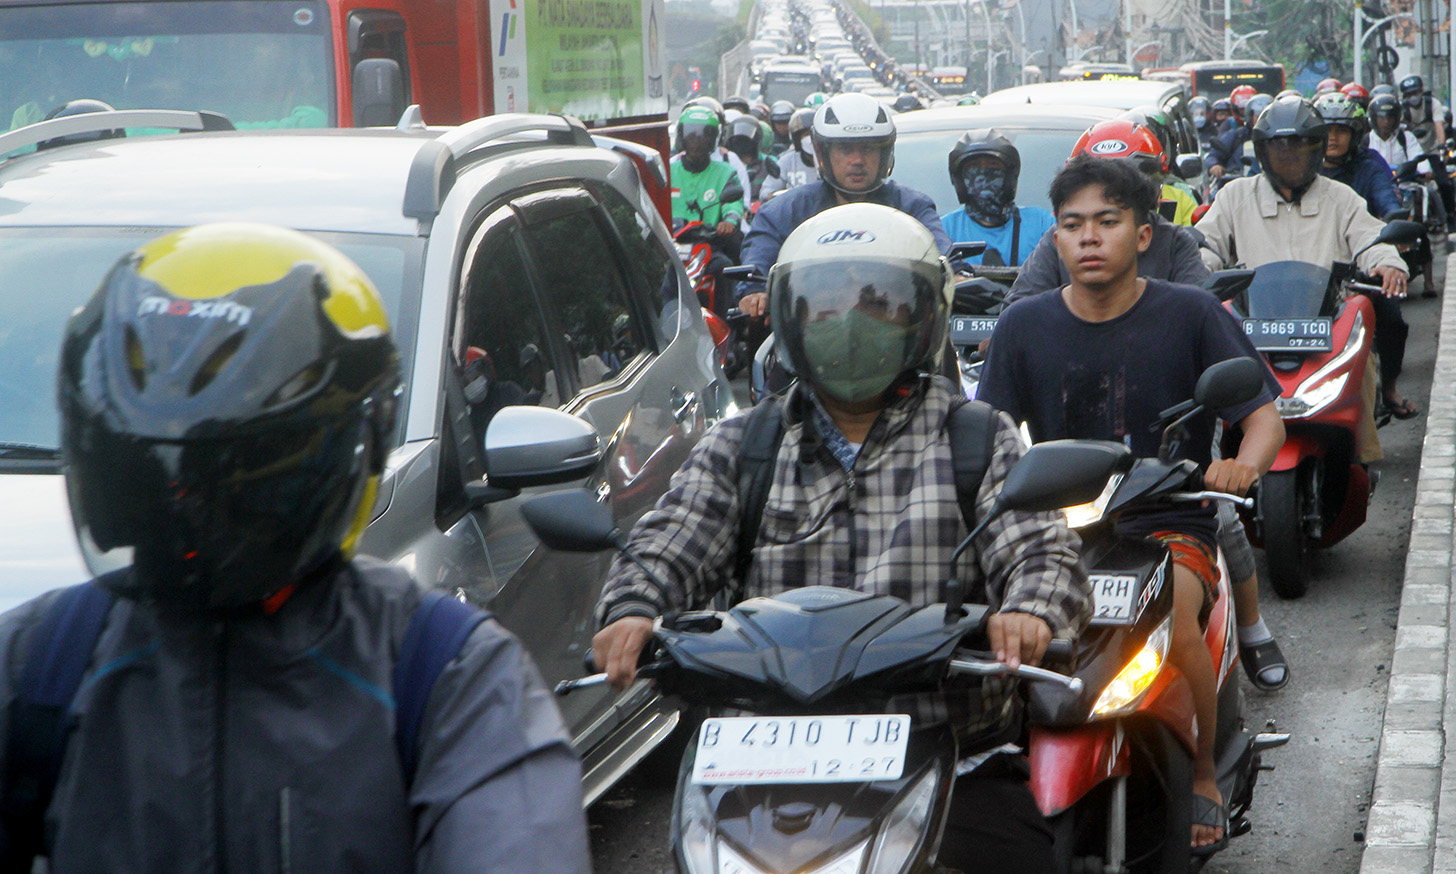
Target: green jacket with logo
[[709, 196]]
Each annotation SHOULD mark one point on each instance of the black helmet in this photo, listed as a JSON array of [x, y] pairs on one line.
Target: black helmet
[[1385, 106], [82, 106], [736, 102], [1412, 86], [860, 296], [987, 194], [1291, 118], [801, 125], [907, 103], [227, 400], [1157, 121], [780, 111], [745, 136]]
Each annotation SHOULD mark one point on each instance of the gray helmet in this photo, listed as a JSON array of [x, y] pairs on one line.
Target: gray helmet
[[801, 124], [1291, 118], [781, 110], [860, 297]]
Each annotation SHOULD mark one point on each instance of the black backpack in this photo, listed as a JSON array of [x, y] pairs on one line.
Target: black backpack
[[972, 428]]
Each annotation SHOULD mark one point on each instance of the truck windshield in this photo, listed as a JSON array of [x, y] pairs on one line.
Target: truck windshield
[[263, 63]]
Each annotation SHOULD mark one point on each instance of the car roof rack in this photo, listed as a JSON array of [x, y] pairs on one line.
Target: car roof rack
[[116, 119], [433, 171]]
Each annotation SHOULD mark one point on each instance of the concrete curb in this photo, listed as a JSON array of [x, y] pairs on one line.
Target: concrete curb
[[1412, 822]]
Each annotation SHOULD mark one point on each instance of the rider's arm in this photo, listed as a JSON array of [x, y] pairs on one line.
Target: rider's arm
[[1217, 225], [1263, 435], [770, 228], [498, 786], [1379, 182], [1360, 228], [923, 208]]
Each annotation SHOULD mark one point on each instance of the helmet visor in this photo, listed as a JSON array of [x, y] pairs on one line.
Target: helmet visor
[[851, 327], [1294, 161]]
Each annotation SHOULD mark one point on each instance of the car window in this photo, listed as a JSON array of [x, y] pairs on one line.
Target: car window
[[500, 333], [647, 257], [583, 288], [920, 162]]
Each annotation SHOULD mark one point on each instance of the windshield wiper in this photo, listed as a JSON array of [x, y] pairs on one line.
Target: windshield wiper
[[29, 452]]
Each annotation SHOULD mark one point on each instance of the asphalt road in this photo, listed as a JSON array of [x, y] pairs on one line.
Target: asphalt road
[[1309, 813]]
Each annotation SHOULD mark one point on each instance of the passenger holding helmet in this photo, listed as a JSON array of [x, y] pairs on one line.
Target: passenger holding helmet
[[854, 147], [984, 168], [796, 166], [862, 495], [227, 401], [1346, 158]]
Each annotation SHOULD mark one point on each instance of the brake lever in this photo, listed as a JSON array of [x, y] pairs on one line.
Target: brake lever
[[644, 672], [1194, 497], [1026, 672]]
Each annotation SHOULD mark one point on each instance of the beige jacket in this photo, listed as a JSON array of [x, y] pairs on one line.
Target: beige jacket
[[1250, 224]]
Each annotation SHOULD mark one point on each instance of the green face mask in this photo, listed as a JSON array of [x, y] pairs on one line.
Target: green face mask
[[854, 357]]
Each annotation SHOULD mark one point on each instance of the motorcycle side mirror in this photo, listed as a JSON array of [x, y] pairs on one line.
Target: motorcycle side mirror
[[1397, 215], [744, 271], [977, 295], [572, 521], [1396, 233], [1062, 473], [1188, 166], [1229, 383], [1228, 284], [966, 250]]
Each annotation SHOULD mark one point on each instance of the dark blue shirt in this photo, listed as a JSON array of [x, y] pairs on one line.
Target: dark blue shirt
[[1069, 378], [1371, 178]]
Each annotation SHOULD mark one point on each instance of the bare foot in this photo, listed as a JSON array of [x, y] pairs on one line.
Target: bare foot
[[1203, 835]]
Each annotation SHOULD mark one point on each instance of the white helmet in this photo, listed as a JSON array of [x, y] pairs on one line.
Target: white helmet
[[853, 118], [860, 295]]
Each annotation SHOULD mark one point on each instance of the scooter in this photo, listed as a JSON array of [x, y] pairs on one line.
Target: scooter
[[694, 242], [818, 776], [1112, 767], [1316, 329], [1417, 196]]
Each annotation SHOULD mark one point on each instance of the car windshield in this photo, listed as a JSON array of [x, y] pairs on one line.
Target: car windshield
[[790, 85], [263, 63], [920, 162], [50, 272]]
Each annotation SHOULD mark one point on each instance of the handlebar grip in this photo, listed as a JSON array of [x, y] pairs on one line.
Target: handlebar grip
[[1060, 650]]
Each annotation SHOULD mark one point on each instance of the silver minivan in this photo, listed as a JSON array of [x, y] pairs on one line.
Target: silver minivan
[[535, 295]]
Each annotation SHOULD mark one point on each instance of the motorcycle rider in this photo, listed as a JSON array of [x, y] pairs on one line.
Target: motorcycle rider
[[854, 142], [1291, 212], [984, 168], [1358, 93], [796, 166], [779, 115], [721, 153], [1174, 190], [1396, 146], [1202, 111], [863, 496], [1346, 160], [1100, 359], [232, 489], [1425, 117], [1226, 152], [705, 190]]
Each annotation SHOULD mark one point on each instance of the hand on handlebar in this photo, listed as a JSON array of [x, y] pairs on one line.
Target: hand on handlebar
[[1392, 281], [1231, 476], [754, 305], [617, 648], [1018, 638], [725, 228]]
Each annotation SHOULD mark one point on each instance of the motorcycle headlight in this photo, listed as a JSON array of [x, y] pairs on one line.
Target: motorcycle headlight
[[1307, 403], [1083, 515], [905, 829], [1128, 687], [730, 862], [695, 827]]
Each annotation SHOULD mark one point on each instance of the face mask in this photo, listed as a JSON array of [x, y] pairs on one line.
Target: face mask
[[988, 193], [854, 357]]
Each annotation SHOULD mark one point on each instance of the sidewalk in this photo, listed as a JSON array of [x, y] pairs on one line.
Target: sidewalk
[[1412, 821]]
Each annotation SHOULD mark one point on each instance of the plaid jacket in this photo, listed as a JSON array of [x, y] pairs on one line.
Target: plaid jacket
[[887, 526]]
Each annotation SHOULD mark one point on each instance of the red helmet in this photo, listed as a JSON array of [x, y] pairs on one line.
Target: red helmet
[[1240, 98], [1357, 92], [1324, 85], [1118, 138]]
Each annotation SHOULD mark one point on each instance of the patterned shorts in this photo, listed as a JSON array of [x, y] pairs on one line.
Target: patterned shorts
[[1194, 554]]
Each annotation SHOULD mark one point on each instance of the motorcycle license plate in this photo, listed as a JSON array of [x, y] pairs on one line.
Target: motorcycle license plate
[[970, 330], [801, 749], [1279, 335], [1112, 598]]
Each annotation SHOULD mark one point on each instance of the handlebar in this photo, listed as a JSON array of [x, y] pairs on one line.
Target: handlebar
[[984, 668], [1208, 495], [1366, 287]]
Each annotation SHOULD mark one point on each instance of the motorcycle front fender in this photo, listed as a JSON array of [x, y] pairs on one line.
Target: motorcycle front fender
[[1068, 763], [1297, 446]]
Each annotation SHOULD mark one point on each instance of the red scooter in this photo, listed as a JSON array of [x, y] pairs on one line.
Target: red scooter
[[1112, 766], [1316, 327], [695, 247]]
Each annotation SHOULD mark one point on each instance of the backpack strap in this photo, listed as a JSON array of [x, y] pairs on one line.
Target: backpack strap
[[762, 435], [437, 630], [56, 660], [972, 427]]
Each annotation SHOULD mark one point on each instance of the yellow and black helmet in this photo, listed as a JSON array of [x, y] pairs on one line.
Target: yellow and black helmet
[[227, 398]]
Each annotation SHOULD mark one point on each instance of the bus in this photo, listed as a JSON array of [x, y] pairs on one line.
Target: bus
[[1216, 79]]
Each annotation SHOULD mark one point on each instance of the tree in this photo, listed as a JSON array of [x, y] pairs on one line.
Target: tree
[[1300, 32]]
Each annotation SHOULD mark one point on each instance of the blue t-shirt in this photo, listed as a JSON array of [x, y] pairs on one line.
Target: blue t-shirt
[[1035, 222], [1069, 378]]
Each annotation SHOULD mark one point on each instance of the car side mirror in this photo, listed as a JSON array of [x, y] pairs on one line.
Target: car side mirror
[[537, 446], [378, 92]]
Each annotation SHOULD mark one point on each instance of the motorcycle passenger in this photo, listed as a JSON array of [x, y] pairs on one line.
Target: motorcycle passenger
[[745, 139], [1425, 117], [1291, 212], [863, 496], [1202, 111], [1396, 146], [779, 115], [984, 168], [1101, 359], [796, 166], [237, 696], [1174, 189], [854, 144], [1226, 152], [1346, 160]]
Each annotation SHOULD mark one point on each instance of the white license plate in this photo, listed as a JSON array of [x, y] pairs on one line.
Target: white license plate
[[801, 749], [1112, 597]]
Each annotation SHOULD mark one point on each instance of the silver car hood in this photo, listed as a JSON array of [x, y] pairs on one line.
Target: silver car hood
[[38, 550]]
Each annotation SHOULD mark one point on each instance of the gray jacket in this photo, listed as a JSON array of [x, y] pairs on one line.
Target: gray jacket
[[265, 744], [1172, 255]]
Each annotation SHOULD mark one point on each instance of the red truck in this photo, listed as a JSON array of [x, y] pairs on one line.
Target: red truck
[[325, 63]]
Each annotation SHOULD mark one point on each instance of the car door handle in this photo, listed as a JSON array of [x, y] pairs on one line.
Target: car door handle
[[683, 404]]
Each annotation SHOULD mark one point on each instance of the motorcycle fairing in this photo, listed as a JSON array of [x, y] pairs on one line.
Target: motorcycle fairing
[[1289, 290]]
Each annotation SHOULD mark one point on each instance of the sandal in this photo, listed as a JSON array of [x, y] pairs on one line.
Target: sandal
[[1403, 409], [1208, 812], [1265, 665]]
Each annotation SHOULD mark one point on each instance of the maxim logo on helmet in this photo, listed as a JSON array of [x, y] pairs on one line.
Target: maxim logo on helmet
[[197, 309], [1108, 147], [836, 238]]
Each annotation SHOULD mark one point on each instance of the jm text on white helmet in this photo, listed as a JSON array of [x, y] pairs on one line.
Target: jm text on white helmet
[[853, 118], [860, 296]]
